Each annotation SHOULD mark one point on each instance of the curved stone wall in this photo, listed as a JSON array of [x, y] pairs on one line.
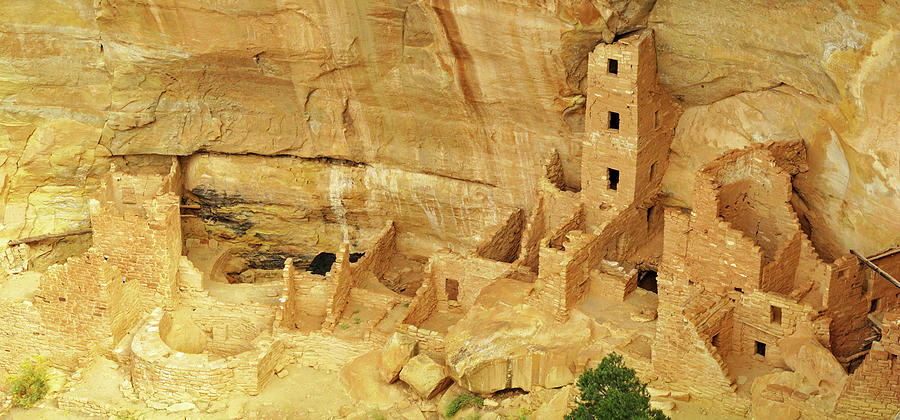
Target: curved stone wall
[[162, 374]]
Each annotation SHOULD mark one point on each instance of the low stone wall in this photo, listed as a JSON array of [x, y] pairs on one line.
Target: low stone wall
[[323, 350], [612, 281], [161, 374]]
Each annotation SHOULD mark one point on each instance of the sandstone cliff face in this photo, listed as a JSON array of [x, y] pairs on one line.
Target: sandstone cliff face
[[438, 111]]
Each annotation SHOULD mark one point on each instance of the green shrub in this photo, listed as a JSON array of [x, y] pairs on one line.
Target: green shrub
[[523, 413], [612, 391], [345, 325], [30, 384], [462, 401], [356, 320]]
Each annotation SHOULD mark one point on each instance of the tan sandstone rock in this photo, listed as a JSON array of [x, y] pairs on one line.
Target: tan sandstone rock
[[397, 352], [818, 367], [425, 376], [518, 347]]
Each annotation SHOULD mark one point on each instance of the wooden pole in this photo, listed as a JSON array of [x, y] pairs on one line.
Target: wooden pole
[[876, 269], [15, 242]]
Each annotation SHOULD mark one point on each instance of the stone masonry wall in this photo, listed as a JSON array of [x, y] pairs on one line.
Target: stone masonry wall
[[378, 257], [535, 230], [873, 390], [161, 374], [847, 306], [503, 245], [340, 281], [472, 273], [86, 300], [140, 238], [754, 321]]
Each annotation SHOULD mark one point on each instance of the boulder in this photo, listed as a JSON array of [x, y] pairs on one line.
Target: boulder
[[767, 396], [398, 350], [557, 407], [500, 346], [803, 354], [425, 376]]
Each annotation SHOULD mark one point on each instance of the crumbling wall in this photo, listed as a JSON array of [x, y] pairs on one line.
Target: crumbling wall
[[877, 289], [425, 303], [473, 275], [612, 281], [88, 300], [847, 306], [768, 318], [285, 315], [503, 245], [873, 390], [137, 228], [563, 279], [340, 281], [535, 231], [323, 350], [779, 274], [378, 256], [553, 170], [161, 374], [680, 353], [24, 334]]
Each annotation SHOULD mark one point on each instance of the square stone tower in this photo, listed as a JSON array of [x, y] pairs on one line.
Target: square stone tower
[[629, 126]]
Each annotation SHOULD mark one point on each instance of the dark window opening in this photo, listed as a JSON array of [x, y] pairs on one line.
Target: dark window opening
[[761, 349], [775, 315], [612, 175], [716, 341], [355, 256], [452, 289], [62, 299], [613, 120], [612, 66], [656, 119], [322, 263], [649, 216], [738, 289], [647, 280], [873, 306]]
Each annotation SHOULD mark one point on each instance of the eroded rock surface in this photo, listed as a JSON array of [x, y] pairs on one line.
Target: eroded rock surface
[[410, 90], [514, 347]]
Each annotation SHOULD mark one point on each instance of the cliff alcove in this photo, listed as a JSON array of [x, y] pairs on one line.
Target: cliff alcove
[[215, 202]]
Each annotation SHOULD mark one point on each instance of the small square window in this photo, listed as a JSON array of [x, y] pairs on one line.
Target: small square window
[[613, 120], [775, 314], [612, 176], [612, 66], [873, 306], [761, 349]]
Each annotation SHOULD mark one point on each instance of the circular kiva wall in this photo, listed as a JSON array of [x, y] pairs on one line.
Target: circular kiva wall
[[161, 373]]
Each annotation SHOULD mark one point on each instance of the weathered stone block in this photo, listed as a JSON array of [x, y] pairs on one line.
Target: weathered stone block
[[398, 350], [425, 376]]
